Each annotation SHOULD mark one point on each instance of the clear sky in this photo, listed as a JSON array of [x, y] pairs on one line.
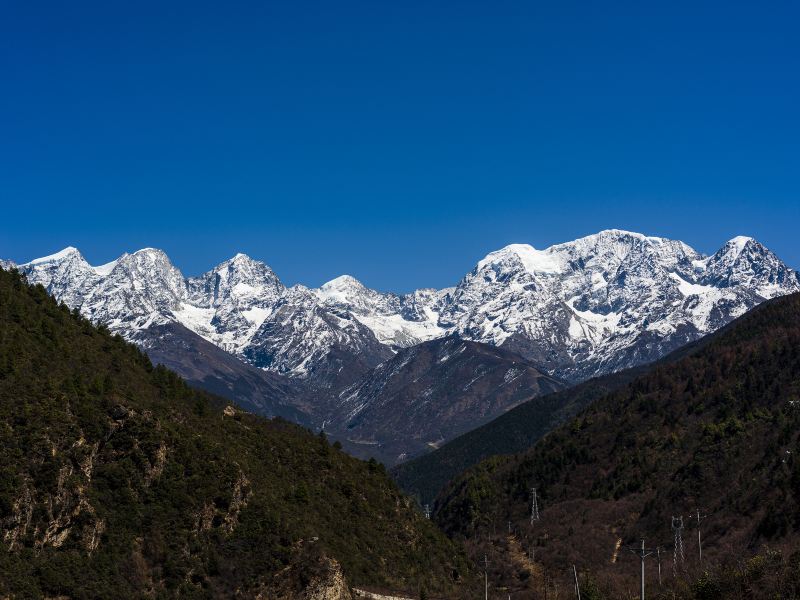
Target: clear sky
[[395, 141]]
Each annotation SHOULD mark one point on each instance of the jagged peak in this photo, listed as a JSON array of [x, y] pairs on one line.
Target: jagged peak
[[616, 235], [741, 240], [733, 249], [533, 260], [342, 282], [58, 256], [144, 257], [738, 243], [241, 260], [149, 252]]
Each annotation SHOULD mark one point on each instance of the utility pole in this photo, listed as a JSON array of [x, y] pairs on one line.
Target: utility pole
[[642, 553], [658, 557], [577, 585], [486, 576], [699, 542], [534, 506]]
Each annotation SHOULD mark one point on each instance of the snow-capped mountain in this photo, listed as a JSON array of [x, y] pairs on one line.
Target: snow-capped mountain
[[396, 320], [228, 304], [610, 300], [302, 338], [600, 303], [240, 306]]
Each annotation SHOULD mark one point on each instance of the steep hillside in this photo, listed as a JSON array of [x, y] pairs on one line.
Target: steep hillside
[[119, 480], [716, 431], [427, 394], [515, 431], [206, 366]]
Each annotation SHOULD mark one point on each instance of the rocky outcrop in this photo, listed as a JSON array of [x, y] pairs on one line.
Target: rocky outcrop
[[328, 583]]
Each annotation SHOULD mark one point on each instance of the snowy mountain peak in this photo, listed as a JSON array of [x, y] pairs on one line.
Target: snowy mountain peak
[[740, 241], [610, 300], [746, 263], [66, 253], [736, 247], [243, 261], [622, 234], [241, 268], [534, 261], [342, 288]]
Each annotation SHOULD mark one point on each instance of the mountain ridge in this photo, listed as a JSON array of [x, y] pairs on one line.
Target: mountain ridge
[[584, 288], [576, 310], [714, 430]]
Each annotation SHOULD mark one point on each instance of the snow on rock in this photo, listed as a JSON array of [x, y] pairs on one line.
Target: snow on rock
[[396, 320], [610, 300], [603, 302]]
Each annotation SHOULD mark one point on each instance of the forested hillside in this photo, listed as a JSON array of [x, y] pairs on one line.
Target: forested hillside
[[515, 431], [716, 431], [118, 480]]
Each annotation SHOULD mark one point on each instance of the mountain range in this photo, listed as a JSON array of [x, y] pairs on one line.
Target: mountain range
[[576, 310]]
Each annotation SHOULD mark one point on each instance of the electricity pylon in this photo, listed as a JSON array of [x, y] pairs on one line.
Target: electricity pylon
[[677, 530], [534, 506]]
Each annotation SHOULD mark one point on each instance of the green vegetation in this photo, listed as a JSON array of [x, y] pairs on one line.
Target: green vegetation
[[717, 430], [118, 480]]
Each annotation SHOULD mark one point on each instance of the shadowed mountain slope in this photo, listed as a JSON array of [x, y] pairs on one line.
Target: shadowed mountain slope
[[429, 393]]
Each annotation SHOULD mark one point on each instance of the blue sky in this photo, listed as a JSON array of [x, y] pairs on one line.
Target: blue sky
[[399, 142]]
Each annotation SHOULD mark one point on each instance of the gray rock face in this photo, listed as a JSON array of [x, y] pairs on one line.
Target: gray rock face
[[427, 394], [305, 339]]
